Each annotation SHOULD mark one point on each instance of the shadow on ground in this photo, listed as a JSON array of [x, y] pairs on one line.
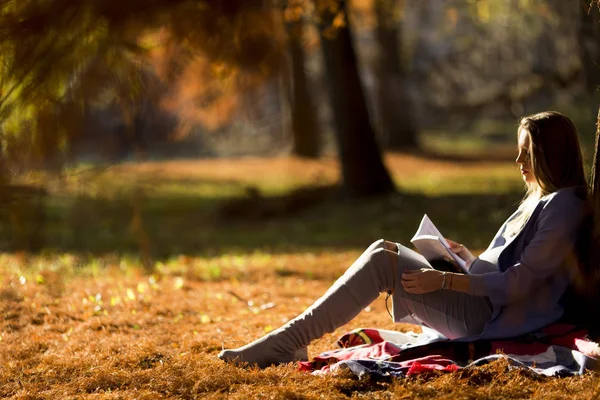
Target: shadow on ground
[[304, 220]]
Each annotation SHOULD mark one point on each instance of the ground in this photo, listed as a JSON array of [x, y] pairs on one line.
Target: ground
[[147, 271]]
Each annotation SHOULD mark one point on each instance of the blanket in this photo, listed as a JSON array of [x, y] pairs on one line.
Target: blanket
[[557, 350]]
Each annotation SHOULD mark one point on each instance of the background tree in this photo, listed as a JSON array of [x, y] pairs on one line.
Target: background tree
[[396, 111], [363, 170], [589, 42], [305, 126], [589, 284], [55, 50]]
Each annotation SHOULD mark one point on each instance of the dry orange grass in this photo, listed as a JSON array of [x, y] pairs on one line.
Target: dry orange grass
[[148, 337]]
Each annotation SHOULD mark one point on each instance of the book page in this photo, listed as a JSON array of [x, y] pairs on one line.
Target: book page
[[426, 227], [414, 256], [431, 243], [430, 247]]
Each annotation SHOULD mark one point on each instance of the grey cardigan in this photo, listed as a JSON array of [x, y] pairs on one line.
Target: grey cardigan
[[534, 269]]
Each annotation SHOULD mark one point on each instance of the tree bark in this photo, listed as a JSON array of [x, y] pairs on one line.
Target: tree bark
[[588, 287], [305, 128], [396, 110], [363, 170], [595, 184], [589, 42]]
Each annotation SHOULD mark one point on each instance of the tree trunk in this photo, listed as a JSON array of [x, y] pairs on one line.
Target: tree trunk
[[595, 184], [305, 131], [588, 287], [396, 110], [363, 171], [4, 176], [589, 42]]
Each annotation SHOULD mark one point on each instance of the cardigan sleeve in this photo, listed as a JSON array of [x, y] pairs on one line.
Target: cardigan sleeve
[[554, 239]]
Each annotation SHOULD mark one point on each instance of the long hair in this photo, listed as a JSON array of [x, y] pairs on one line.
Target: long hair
[[556, 158]]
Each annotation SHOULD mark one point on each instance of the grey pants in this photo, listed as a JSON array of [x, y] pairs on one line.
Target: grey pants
[[453, 314]]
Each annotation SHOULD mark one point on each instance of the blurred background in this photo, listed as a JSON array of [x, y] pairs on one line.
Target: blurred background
[[144, 132]]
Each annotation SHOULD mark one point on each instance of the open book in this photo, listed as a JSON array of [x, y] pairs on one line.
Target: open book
[[431, 244]]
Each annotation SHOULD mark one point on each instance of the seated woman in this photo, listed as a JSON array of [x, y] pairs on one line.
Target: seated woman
[[514, 287]]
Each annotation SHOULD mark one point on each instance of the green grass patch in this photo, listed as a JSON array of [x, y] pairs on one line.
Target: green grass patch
[[137, 218]]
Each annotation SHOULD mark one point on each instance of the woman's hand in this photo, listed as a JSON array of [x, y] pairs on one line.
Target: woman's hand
[[461, 251], [419, 281]]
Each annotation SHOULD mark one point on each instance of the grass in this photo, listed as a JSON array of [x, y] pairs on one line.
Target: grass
[[146, 271], [217, 206]]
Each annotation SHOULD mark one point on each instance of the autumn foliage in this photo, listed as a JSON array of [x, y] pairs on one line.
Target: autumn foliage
[[62, 58]]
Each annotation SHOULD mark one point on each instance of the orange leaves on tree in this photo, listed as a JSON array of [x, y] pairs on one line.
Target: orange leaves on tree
[[338, 21], [452, 15]]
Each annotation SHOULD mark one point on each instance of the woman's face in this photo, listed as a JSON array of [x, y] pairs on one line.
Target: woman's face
[[524, 158]]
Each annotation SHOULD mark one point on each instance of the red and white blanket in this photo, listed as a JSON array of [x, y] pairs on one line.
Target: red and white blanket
[[557, 350]]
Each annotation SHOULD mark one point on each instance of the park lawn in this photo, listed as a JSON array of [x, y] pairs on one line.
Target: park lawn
[[212, 207], [148, 270]]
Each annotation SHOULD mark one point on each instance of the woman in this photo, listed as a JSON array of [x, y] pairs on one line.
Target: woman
[[513, 288]]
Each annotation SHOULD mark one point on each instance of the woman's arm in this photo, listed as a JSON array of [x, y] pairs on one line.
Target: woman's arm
[[462, 251], [419, 281], [554, 240], [459, 282]]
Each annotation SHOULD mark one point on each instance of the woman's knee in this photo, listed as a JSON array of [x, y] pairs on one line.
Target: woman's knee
[[379, 243], [391, 246], [382, 255], [384, 264], [383, 244]]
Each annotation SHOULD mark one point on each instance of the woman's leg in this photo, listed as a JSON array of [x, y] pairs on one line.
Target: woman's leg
[[368, 276], [377, 270], [451, 313]]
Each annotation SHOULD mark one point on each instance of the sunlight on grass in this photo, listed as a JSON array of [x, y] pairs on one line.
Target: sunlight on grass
[[207, 208], [122, 334], [272, 177], [498, 180]]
